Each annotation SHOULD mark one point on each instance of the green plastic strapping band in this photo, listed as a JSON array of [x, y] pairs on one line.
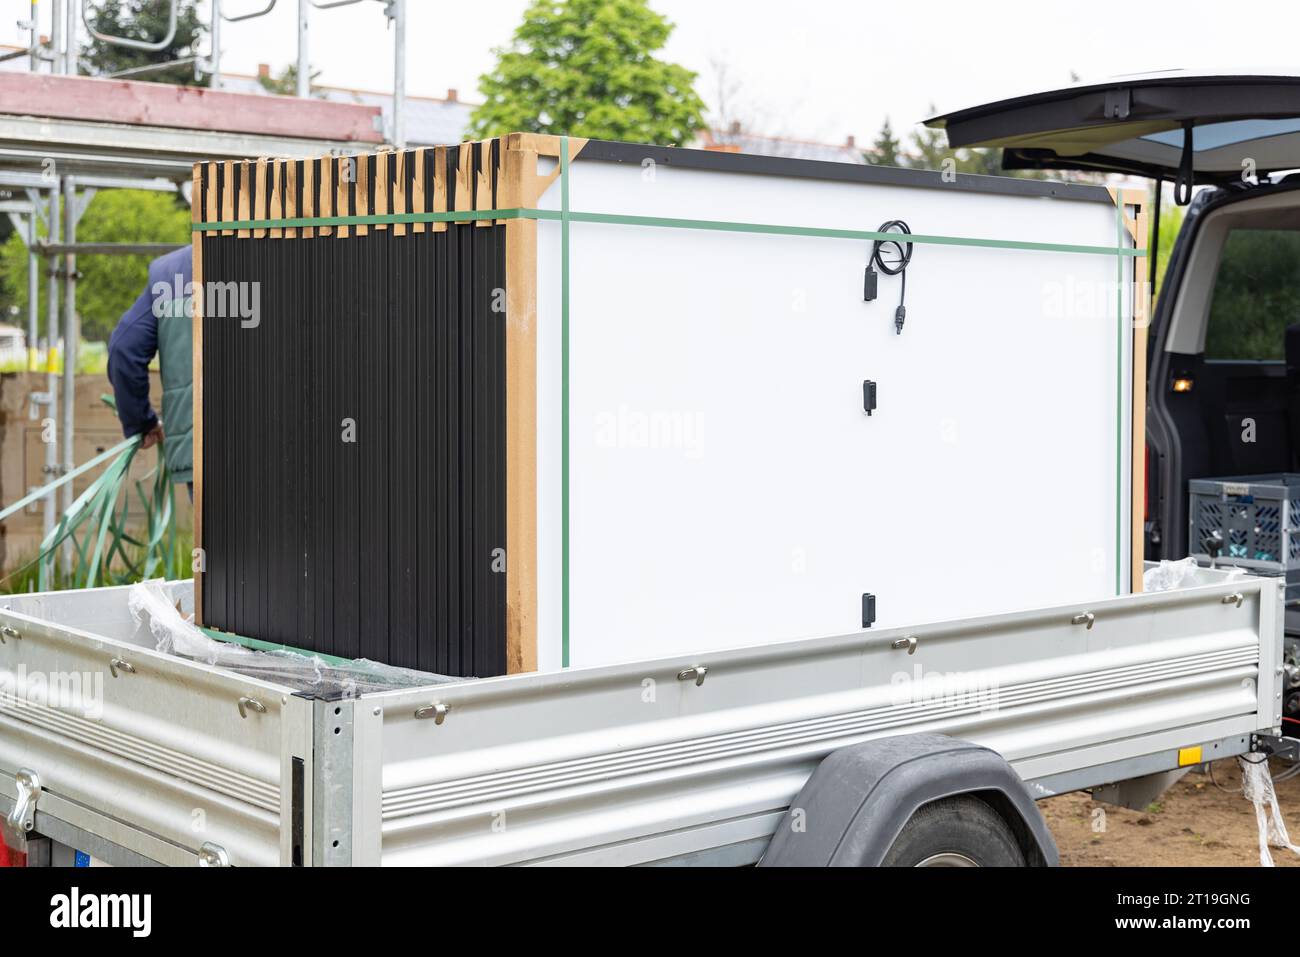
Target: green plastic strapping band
[[67, 477], [565, 216], [257, 644]]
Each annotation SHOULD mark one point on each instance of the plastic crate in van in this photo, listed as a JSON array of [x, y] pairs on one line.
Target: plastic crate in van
[[1249, 521]]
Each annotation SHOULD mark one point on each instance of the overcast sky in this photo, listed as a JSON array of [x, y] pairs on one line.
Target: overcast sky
[[815, 69]]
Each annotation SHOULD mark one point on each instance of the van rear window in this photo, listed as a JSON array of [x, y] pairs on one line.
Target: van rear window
[[1256, 295]]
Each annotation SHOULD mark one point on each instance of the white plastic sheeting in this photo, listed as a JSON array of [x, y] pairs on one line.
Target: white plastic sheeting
[[176, 634], [1257, 784]]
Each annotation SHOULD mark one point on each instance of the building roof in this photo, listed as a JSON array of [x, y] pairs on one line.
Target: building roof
[[430, 120], [735, 140], [132, 103]]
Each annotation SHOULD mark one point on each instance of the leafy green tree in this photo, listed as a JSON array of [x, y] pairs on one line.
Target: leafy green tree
[[587, 68], [1171, 223], [286, 82], [988, 163], [1256, 294], [928, 148], [108, 284], [884, 151], [144, 20]]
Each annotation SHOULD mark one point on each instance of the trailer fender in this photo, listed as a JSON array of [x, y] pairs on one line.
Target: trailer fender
[[852, 809]]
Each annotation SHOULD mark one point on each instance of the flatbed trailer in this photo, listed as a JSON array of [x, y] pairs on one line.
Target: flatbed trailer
[[135, 756]]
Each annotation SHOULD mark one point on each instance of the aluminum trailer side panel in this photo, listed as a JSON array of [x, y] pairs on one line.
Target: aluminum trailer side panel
[[145, 750], [676, 760], [640, 763]]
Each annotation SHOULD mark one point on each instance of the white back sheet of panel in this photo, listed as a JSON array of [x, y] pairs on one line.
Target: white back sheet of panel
[[726, 487]]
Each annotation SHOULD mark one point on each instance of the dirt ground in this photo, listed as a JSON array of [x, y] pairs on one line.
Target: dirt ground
[[1195, 824]]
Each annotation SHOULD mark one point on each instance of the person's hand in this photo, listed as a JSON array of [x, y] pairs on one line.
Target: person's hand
[[153, 437]]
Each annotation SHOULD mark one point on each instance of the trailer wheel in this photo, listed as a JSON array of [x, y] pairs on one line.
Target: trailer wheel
[[959, 831]]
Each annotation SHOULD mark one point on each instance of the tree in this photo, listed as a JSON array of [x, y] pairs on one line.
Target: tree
[[884, 151], [144, 20], [732, 109], [1171, 223], [286, 83], [586, 68], [108, 284], [1255, 293], [989, 163], [929, 150], [727, 90]]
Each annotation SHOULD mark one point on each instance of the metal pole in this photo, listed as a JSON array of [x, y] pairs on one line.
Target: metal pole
[[57, 22], [214, 33], [70, 336], [304, 59], [33, 287], [51, 361], [399, 72], [73, 54], [36, 36]]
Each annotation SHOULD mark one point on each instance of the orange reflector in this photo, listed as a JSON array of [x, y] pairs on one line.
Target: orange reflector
[[1188, 756]]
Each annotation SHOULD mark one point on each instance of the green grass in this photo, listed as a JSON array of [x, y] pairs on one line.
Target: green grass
[[23, 579]]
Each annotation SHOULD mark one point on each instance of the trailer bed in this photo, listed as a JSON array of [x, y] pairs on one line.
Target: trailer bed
[[145, 757]]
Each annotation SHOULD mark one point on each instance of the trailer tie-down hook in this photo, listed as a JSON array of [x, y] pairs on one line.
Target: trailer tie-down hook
[[27, 784], [213, 855], [438, 712], [247, 704], [695, 674], [909, 643], [1085, 618]]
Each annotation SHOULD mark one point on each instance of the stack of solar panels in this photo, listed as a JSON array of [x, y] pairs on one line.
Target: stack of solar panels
[[350, 407], [496, 413]]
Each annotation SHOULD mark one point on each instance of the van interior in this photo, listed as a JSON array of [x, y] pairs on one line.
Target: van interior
[[1225, 385], [1228, 381]]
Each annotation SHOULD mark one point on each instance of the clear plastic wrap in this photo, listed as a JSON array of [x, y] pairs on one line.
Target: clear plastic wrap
[[1168, 575], [1257, 784], [175, 634]]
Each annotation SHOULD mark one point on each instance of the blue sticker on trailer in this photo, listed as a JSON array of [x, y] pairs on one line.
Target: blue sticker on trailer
[[82, 859]]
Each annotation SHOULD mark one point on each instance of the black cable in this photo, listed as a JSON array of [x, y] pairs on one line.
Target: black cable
[[891, 257]]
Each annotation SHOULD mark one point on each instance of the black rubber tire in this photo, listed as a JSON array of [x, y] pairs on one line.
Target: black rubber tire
[[962, 825]]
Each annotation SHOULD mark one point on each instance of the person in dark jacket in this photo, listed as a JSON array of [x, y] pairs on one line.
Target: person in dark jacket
[[158, 323]]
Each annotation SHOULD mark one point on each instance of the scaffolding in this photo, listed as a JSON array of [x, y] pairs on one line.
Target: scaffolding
[[53, 163]]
